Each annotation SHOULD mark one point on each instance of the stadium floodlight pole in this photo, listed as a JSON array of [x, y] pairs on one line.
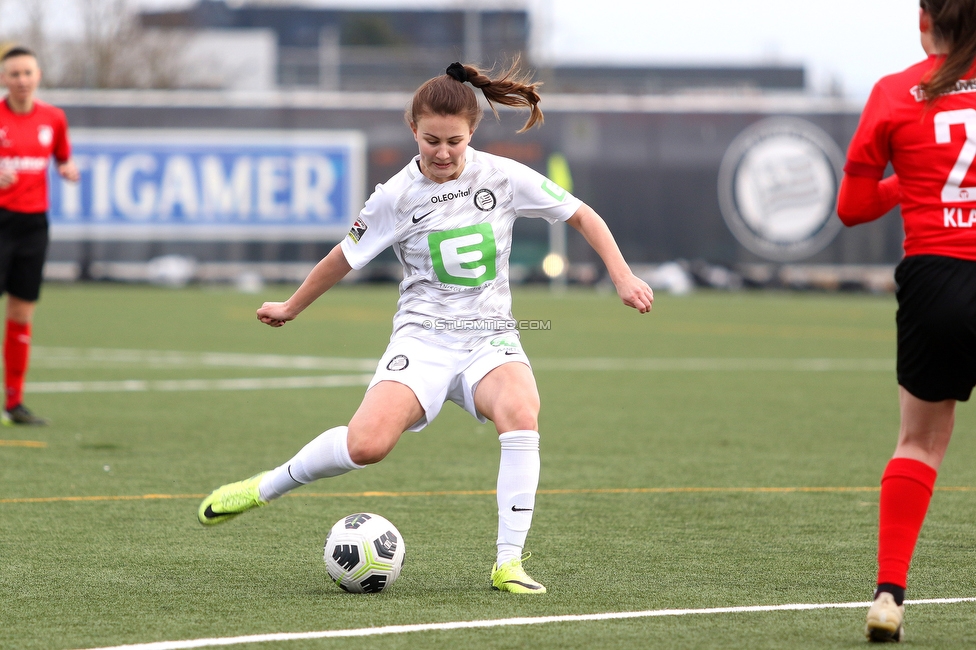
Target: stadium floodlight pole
[[556, 264], [557, 253], [472, 32], [329, 55]]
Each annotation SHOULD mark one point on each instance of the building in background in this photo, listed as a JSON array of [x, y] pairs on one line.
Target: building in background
[[382, 49], [335, 49], [230, 59], [735, 166]]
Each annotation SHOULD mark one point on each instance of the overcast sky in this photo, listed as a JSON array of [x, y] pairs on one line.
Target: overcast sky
[[852, 41]]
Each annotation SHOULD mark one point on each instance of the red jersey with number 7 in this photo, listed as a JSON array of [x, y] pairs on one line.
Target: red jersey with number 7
[[27, 142], [932, 149]]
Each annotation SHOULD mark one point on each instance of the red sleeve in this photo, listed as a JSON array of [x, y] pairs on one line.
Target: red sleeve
[[62, 146], [869, 151], [862, 199]]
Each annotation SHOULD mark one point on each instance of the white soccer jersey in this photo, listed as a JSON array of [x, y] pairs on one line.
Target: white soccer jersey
[[454, 241]]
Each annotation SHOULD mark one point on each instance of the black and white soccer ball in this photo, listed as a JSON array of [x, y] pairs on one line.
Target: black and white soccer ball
[[364, 553]]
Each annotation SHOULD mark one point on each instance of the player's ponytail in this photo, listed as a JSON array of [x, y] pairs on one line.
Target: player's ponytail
[[448, 95], [953, 26]]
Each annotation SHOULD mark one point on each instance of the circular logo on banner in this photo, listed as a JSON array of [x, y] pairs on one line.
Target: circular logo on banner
[[399, 362], [484, 200], [777, 188]]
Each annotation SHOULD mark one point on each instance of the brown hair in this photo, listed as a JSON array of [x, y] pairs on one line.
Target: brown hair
[[17, 50], [447, 94], [954, 26]]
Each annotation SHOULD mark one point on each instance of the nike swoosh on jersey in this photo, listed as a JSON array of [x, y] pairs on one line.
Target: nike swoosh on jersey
[[421, 217]]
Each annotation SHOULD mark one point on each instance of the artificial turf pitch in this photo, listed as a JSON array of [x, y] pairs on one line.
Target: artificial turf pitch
[[708, 391]]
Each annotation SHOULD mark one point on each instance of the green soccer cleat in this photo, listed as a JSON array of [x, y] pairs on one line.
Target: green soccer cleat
[[228, 501], [21, 415], [885, 620], [511, 577]]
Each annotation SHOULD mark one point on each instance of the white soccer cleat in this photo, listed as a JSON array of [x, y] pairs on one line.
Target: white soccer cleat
[[885, 619]]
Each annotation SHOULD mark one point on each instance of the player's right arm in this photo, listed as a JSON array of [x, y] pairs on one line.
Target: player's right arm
[[862, 199], [371, 233], [7, 177], [323, 277]]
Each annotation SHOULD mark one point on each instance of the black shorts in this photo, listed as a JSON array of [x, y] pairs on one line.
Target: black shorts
[[23, 247], [936, 327]]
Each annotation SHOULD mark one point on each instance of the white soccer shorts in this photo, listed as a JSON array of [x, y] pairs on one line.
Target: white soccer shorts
[[436, 373]]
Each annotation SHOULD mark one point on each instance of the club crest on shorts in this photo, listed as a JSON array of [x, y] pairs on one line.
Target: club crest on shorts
[[399, 362], [484, 200]]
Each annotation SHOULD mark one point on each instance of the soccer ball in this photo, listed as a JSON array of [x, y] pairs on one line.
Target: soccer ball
[[364, 553]]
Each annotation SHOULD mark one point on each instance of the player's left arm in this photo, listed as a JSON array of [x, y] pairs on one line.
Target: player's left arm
[[69, 171], [632, 290], [62, 152]]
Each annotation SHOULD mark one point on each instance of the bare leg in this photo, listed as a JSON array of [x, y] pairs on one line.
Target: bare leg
[[926, 428], [388, 409], [20, 311], [509, 397]]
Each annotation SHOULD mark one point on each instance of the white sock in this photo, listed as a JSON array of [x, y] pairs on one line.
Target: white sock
[[518, 479], [327, 455]]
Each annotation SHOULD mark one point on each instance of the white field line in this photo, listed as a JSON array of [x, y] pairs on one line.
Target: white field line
[[502, 622], [719, 364], [51, 357], [142, 386]]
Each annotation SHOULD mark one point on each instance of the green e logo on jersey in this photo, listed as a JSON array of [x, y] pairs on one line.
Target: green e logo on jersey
[[464, 256], [553, 190]]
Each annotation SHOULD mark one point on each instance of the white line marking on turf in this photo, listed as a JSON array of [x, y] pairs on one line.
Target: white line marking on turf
[[51, 357], [719, 364], [141, 385], [502, 622]]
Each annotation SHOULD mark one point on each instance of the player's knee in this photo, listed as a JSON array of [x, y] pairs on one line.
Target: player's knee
[[527, 422], [524, 417], [365, 454], [367, 450]]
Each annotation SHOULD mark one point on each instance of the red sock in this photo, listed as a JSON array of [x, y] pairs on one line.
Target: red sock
[[16, 351], [906, 489]]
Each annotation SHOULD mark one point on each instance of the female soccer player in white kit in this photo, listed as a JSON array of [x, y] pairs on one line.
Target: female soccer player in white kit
[[448, 216]]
